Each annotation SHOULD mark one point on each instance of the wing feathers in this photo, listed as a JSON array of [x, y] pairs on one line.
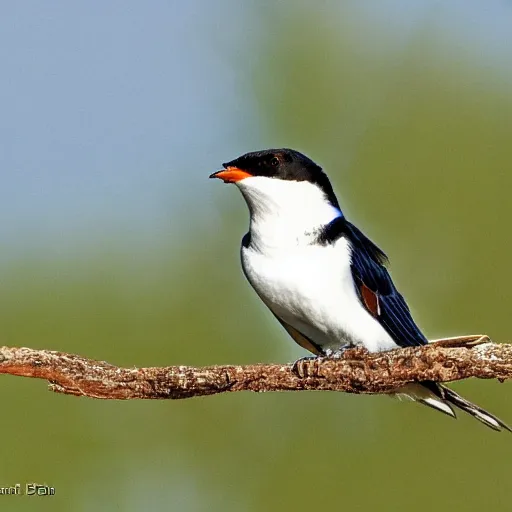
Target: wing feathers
[[377, 291]]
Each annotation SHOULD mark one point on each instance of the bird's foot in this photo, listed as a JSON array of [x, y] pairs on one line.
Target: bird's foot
[[302, 366], [308, 366], [305, 366]]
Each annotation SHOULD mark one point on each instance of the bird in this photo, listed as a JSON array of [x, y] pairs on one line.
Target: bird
[[323, 279]]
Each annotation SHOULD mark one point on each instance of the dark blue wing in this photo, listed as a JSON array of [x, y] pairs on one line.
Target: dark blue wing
[[377, 291]]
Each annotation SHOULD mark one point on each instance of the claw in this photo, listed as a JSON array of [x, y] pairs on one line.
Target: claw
[[302, 365]]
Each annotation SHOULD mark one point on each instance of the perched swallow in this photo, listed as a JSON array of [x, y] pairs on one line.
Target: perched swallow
[[321, 277]]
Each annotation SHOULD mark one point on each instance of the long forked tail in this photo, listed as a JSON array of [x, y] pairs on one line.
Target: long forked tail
[[442, 398]]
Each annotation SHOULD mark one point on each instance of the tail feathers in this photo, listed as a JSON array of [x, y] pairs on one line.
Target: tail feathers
[[443, 399], [477, 412], [439, 405], [426, 393]]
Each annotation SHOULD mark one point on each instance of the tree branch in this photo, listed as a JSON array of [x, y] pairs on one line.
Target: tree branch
[[357, 372]]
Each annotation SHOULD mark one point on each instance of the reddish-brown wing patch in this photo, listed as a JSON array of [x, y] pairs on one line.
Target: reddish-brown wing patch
[[371, 300]]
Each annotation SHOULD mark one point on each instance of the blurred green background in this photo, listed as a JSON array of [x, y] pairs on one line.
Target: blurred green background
[[117, 247]]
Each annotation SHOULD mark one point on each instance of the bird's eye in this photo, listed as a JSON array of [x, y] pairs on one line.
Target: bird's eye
[[274, 162]]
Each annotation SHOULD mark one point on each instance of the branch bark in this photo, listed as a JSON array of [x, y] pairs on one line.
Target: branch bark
[[357, 372]]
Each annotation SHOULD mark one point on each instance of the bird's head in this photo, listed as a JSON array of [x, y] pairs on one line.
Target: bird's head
[[279, 179]]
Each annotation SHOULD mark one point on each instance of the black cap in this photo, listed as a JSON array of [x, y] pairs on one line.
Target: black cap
[[285, 164]]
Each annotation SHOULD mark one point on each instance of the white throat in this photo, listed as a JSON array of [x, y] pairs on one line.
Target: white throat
[[285, 213]]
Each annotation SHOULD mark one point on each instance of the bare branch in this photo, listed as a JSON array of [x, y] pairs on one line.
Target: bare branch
[[357, 372]]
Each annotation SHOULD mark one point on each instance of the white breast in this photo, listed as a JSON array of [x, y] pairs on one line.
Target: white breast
[[311, 288]]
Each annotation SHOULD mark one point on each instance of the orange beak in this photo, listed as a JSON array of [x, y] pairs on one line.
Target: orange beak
[[231, 175]]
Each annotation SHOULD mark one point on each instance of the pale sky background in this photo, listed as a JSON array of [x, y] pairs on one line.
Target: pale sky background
[[114, 113]]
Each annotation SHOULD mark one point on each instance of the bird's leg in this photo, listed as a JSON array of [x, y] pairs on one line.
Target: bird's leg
[[339, 352], [348, 351]]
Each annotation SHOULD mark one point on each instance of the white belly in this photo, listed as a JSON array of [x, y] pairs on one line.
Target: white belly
[[311, 288]]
